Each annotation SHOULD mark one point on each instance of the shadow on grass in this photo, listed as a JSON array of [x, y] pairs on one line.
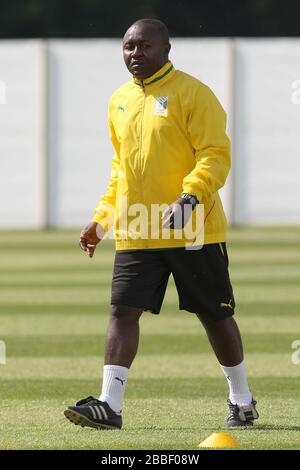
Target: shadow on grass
[[172, 428], [261, 427], [273, 427]]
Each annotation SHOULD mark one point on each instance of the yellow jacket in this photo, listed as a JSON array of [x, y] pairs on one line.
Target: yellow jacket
[[168, 132]]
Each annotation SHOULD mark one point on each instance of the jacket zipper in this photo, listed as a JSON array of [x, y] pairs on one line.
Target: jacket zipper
[[140, 152]]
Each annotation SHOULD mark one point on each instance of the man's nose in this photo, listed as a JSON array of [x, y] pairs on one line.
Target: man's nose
[[137, 52]]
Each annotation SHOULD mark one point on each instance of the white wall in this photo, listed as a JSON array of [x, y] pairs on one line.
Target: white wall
[[20, 134], [83, 75], [252, 79], [267, 132]]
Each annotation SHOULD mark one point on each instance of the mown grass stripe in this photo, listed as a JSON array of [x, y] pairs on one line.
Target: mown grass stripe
[[85, 345], [103, 281], [53, 285], [249, 308], [71, 245], [57, 278], [52, 264], [239, 274], [44, 269], [194, 388], [74, 324], [88, 295], [97, 278], [187, 366]]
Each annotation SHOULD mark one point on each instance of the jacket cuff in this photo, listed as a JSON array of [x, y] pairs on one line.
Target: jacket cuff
[[99, 221], [103, 218], [190, 189]]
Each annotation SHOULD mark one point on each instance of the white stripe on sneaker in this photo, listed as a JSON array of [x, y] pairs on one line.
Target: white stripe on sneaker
[[104, 413], [93, 412], [96, 408]]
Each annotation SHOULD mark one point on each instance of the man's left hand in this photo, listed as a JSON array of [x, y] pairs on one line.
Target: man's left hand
[[177, 214]]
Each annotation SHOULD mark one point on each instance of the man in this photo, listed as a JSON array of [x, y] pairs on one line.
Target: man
[[168, 132]]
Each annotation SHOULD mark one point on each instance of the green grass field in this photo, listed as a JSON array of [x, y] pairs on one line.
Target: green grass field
[[54, 305]]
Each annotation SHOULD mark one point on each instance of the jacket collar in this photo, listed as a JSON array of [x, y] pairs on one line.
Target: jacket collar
[[158, 78]]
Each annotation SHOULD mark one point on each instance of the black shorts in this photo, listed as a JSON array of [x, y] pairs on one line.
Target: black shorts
[[140, 279]]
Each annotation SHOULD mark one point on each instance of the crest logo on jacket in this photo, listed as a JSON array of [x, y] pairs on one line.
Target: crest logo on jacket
[[161, 106]]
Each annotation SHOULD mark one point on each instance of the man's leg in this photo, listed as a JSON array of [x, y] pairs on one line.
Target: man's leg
[[121, 346], [203, 284], [139, 278], [120, 350], [225, 339], [122, 337]]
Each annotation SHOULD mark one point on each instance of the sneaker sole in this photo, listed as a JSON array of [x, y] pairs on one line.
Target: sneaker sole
[[80, 420], [245, 425]]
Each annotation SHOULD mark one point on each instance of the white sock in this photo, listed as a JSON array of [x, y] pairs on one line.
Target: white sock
[[113, 386], [239, 393]]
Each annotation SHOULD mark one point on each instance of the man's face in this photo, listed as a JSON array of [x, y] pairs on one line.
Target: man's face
[[144, 50]]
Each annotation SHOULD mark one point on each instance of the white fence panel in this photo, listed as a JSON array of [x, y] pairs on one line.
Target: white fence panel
[[20, 134], [267, 132], [83, 75]]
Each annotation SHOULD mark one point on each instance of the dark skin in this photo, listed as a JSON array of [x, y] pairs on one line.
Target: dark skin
[[145, 51]]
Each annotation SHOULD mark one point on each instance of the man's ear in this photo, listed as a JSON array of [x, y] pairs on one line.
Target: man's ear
[[167, 50]]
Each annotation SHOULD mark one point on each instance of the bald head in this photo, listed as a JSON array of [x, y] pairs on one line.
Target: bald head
[[146, 47], [157, 26]]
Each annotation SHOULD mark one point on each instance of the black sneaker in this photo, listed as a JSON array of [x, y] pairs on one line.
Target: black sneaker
[[241, 415], [93, 413]]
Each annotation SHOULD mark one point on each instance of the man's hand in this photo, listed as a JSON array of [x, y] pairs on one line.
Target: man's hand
[[90, 236], [177, 214]]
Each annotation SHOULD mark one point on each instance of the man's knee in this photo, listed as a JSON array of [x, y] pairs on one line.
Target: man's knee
[[125, 313], [205, 318], [222, 323]]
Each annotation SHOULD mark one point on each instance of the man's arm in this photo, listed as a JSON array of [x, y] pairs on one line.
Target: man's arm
[[93, 233], [207, 130], [104, 212]]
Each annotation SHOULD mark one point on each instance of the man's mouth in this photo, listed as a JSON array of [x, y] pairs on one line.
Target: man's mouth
[[137, 64]]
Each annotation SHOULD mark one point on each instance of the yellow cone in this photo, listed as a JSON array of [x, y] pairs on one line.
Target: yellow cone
[[219, 439]]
